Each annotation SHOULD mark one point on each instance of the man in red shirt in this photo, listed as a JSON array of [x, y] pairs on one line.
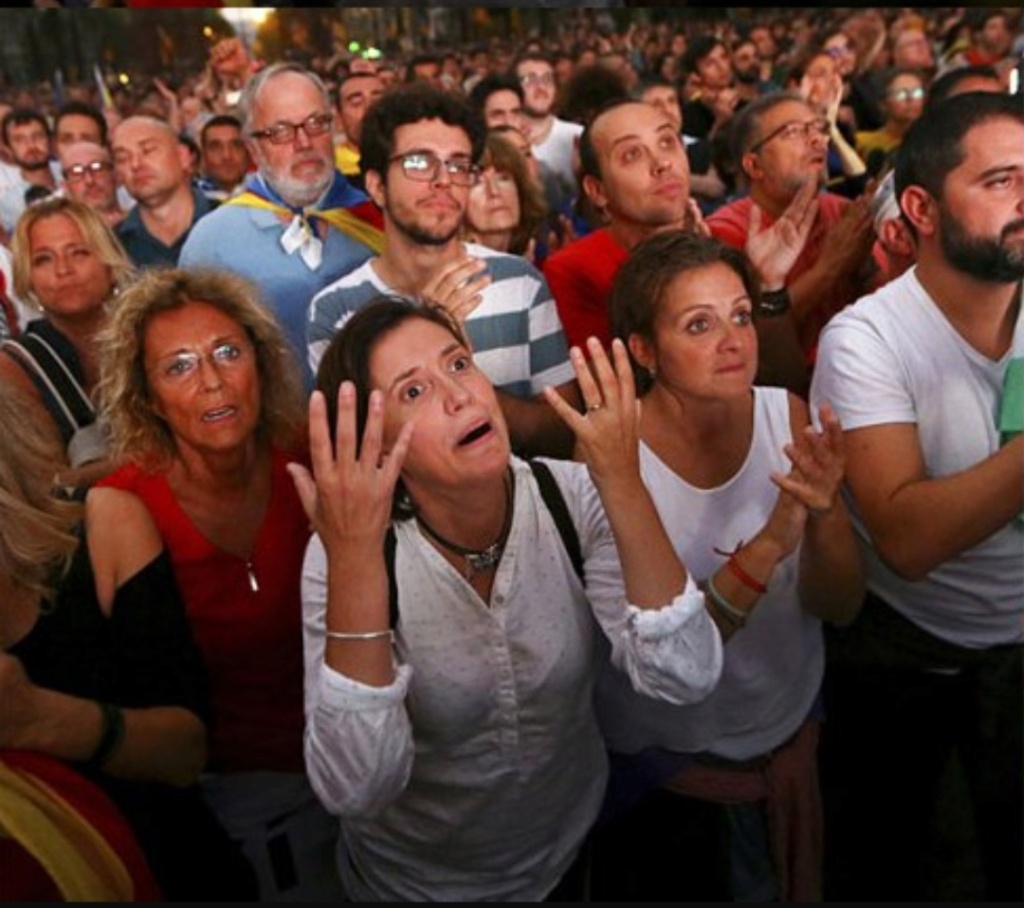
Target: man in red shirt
[[780, 142], [634, 168]]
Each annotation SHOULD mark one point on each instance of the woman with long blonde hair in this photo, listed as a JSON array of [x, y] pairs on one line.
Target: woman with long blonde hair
[[68, 265]]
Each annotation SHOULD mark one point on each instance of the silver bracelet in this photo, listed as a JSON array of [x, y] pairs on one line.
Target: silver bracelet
[[368, 635], [737, 616]]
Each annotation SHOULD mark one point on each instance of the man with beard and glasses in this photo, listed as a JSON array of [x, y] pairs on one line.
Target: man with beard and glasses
[[927, 377], [28, 139], [298, 225], [419, 149]]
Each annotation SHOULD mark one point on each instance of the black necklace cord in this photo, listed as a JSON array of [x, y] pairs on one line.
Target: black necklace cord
[[477, 560]]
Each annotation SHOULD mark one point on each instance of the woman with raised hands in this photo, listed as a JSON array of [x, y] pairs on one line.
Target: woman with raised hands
[[748, 491], [449, 672]]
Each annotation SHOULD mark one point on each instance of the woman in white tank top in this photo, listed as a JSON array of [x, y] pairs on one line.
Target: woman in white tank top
[[740, 478]]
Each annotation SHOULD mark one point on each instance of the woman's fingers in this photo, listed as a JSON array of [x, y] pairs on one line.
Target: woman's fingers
[[321, 451], [624, 376], [345, 444], [373, 434], [394, 459], [589, 389], [607, 391], [565, 412]]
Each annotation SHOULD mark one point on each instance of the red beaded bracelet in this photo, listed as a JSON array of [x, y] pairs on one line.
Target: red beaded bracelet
[[744, 577]]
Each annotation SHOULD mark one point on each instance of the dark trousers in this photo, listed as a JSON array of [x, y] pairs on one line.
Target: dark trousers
[[898, 704]]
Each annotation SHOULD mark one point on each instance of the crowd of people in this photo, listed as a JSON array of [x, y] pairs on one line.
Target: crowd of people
[[587, 467]]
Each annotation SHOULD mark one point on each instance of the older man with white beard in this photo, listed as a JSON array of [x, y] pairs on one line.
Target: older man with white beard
[[299, 225]]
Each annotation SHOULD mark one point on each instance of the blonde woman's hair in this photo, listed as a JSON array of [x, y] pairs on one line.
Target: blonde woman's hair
[[138, 432], [95, 231], [37, 538]]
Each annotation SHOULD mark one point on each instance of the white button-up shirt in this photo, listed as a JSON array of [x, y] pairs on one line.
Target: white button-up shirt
[[477, 773]]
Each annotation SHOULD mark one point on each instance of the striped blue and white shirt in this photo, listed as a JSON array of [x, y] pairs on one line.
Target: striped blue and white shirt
[[516, 334]]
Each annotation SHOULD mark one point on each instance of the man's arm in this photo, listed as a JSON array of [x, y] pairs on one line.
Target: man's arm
[[918, 522], [535, 429]]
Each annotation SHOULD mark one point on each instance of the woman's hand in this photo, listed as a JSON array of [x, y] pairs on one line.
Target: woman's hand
[[458, 289], [606, 433], [348, 495], [834, 99], [811, 488], [819, 464]]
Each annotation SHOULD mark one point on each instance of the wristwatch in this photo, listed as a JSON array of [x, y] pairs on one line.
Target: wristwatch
[[773, 303]]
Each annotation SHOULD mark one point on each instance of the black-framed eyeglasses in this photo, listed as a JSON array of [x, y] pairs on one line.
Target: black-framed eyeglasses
[[425, 166], [284, 132], [796, 129], [78, 172]]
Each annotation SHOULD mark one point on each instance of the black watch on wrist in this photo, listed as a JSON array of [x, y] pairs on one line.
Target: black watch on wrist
[[773, 303]]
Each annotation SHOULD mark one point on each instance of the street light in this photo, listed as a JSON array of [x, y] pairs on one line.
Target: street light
[[246, 20]]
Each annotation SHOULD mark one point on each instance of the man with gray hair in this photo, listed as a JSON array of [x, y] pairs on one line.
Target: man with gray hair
[[154, 167], [779, 144], [298, 226]]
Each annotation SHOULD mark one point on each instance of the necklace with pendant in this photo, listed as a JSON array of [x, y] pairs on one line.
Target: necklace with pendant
[[477, 560]]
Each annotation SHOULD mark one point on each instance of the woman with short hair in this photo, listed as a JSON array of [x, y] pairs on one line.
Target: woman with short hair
[[449, 671]]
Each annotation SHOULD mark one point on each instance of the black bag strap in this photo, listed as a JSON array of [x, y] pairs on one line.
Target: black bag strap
[[70, 407], [553, 500], [390, 545]]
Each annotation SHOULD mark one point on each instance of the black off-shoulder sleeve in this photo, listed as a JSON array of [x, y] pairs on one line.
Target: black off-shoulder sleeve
[[154, 657]]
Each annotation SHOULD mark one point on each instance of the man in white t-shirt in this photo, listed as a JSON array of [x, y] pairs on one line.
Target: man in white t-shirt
[[921, 374], [552, 138]]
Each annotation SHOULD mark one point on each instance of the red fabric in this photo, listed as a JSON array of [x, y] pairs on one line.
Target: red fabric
[[731, 224], [787, 781], [23, 878], [580, 276], [369, 212], [251, 640]]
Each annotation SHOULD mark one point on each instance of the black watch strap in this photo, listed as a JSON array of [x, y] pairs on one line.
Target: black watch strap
[[773, 303]]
